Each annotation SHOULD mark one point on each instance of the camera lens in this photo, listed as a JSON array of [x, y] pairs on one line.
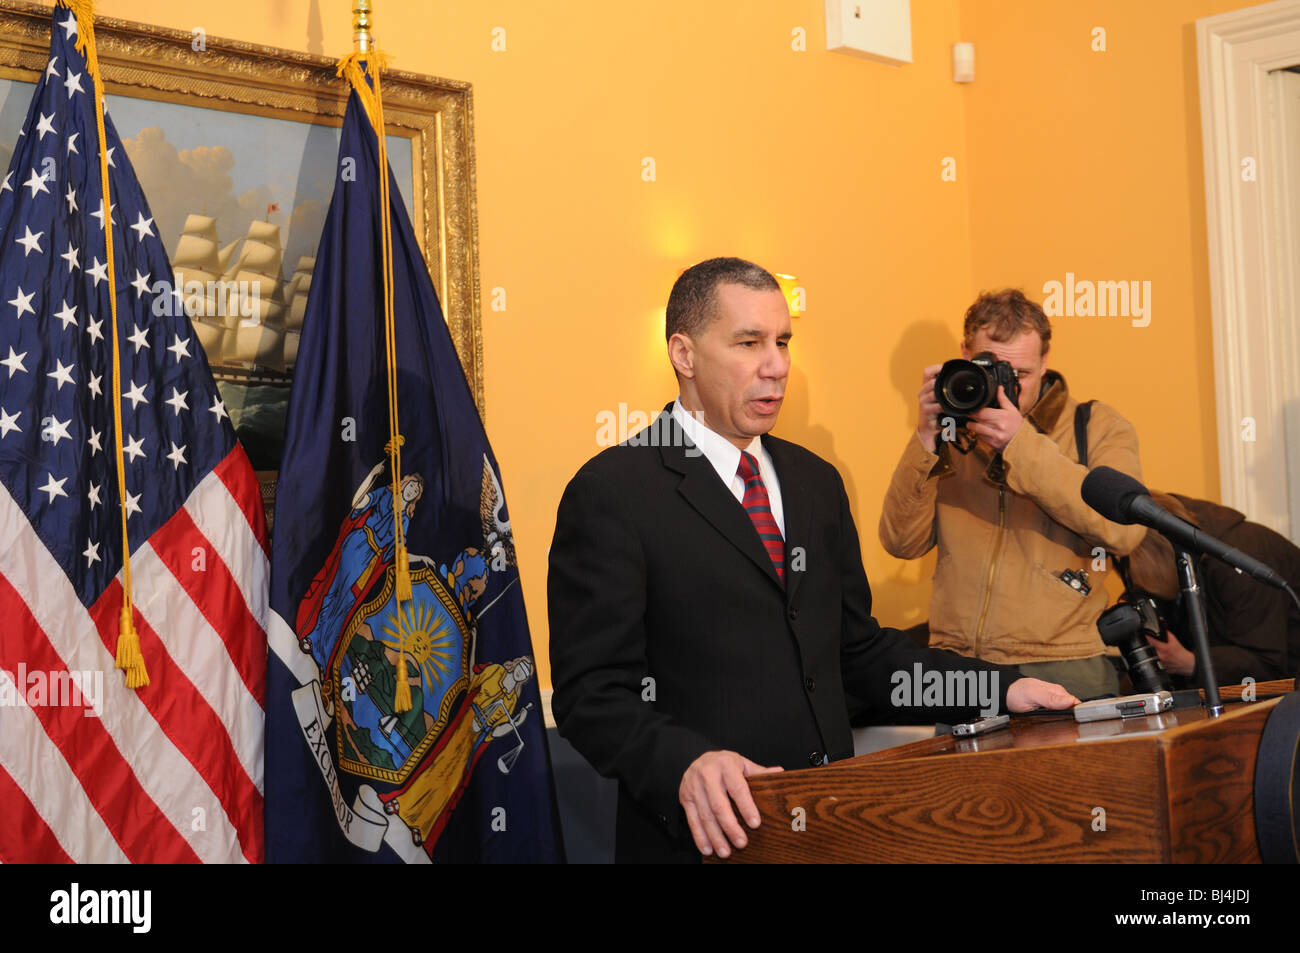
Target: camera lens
[[1144, 668], [965, 389], [1124, 626]]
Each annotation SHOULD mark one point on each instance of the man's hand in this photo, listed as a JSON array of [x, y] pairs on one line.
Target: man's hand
[[1176, 659], [713, 781], [928, 426], [996, 425], [1026, 694]]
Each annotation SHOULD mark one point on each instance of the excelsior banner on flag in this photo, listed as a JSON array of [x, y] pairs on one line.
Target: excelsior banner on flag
[[401, 725], [91, 770]]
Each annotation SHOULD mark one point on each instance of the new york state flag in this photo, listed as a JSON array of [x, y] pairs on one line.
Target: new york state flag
[[401, 726]]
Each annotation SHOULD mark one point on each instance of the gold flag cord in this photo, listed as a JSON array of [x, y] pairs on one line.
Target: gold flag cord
[[129, 656], [372, 102]]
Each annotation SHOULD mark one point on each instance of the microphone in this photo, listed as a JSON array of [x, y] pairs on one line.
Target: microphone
[[1122, 499]]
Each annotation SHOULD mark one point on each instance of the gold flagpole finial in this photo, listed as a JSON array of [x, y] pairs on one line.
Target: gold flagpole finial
[[362, 40]]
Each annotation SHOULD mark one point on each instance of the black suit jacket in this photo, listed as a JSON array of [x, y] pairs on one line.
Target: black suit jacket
[[671, 634]]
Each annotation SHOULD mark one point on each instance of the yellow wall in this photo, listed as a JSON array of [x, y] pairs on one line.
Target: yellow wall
[[1090, 162], [817, 164]]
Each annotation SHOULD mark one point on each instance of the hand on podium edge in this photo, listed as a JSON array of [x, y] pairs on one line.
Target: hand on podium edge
[[712, 782], [1026, 694]]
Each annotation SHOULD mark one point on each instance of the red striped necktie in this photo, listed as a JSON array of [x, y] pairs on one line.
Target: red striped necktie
[[759, 507]]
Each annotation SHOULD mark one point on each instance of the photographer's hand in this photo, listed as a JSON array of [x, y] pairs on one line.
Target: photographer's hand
[[928, 427], [1175, 659], [996, 425]]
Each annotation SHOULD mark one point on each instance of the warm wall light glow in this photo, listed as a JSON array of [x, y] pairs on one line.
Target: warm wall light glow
[[672, 235], [796, 298]]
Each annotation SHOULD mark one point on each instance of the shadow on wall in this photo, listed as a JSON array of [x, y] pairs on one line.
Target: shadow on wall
[[796, 426], [921, 344], [901, 599]]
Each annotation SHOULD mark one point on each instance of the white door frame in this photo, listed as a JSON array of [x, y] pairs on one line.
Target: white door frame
[[1253, 293]]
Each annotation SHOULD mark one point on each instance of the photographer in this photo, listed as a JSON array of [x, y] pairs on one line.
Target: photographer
[[1022, 559], [1254, 630]]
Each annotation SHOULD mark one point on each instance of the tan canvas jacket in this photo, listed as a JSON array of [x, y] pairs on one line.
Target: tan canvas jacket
[[1007, 528]]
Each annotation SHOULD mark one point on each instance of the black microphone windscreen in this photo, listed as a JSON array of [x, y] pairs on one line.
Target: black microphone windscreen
[[1110, 493]]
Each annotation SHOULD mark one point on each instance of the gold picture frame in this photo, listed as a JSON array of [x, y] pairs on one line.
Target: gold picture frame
[[155, 63]]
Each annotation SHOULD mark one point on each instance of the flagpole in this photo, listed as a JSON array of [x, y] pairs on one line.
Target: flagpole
[[362, 41]]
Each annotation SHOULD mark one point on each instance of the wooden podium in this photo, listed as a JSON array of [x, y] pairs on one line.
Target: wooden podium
[[1175, 787]]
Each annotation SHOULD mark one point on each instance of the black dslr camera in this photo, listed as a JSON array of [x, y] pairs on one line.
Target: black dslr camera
[[1123, 625], [963, 387]]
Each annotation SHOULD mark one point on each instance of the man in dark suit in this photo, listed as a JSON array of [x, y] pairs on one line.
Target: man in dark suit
[[710, 618]]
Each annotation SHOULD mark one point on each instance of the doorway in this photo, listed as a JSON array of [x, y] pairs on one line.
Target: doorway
[[1250, 123]]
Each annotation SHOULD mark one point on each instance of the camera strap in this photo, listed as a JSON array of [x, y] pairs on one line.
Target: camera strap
[[1082, 414]]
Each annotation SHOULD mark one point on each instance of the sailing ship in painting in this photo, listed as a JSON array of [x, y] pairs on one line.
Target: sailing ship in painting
[[245, 314]]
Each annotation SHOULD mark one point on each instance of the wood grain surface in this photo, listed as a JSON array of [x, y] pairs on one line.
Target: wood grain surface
[[1170, 787], [1211, 779]]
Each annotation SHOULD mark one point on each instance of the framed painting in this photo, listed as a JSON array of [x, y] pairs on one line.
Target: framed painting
[[234, 145]]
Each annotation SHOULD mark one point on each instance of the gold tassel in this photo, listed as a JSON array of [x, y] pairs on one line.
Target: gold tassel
[[402, 697], [129, 656], [403, 576]]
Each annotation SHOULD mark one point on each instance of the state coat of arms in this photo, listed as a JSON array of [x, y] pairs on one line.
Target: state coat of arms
[[412, 709]]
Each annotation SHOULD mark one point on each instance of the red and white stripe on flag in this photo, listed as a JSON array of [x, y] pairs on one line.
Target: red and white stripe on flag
[[172, 772]]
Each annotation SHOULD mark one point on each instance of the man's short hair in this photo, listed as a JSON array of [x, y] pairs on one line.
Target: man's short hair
[[692, 303], [1004, 315]]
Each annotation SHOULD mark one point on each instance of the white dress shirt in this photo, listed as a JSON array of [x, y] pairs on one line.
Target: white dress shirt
[[725, 458]]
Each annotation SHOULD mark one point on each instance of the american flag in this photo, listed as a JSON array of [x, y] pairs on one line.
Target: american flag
[[170, 772]]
